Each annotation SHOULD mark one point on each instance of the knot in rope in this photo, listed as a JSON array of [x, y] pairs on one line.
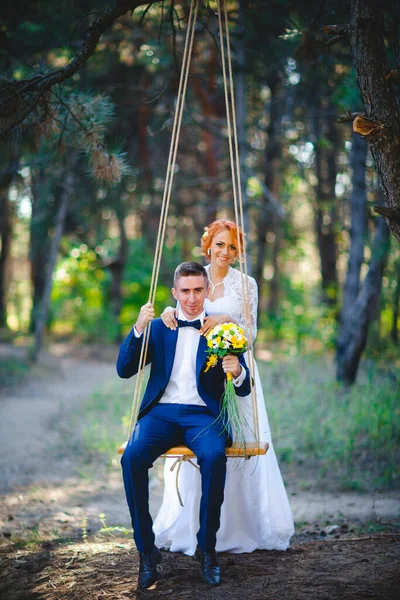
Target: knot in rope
[[179, 461]]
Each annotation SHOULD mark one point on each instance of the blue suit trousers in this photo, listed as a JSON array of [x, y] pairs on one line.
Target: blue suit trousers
[[166, 426]]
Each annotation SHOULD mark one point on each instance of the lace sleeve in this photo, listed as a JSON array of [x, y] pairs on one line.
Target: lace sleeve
[[253, 304], [233, 288]]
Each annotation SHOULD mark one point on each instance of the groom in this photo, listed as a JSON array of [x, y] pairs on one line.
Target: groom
[[180, 406]]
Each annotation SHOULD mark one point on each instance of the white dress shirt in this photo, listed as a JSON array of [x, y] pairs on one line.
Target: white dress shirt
[[182, 386]]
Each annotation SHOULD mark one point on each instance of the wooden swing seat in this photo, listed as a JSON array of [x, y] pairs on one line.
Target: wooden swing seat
[[235, 451]]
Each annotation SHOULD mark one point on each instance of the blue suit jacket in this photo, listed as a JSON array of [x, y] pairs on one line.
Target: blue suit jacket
[[161, 354]]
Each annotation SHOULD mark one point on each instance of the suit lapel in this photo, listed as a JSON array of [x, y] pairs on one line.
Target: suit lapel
[[170, 339], [201, 355]]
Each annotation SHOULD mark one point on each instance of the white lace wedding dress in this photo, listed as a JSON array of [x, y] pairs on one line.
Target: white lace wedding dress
[[256, 512]]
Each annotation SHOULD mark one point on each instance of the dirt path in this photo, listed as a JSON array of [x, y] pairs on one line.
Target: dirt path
[[31, 416], [47, 497]]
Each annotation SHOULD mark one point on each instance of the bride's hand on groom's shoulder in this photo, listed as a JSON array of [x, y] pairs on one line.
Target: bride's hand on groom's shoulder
[[145, 316], [213, 320], [169, 318]]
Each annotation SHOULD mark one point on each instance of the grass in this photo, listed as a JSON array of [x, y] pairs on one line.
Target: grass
[[346, 437], [12, 370], [325, 436], [101, 425]]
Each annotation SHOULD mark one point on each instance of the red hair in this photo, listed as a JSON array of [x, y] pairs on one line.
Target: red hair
[[216, 227]]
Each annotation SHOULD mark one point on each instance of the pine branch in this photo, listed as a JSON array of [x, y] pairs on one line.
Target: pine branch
[[393, 76], [338, 32], [392, 214], [38, 84], [73, 115], [342, 30], [348, 117]]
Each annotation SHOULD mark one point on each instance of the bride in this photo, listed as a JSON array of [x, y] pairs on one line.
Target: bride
[[256, 512]]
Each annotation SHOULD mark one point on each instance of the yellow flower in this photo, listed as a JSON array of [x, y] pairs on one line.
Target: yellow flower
[[211, 362], [236, 342], [210, 343]]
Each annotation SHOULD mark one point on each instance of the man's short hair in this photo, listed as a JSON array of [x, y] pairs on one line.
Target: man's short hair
[[186, 269]]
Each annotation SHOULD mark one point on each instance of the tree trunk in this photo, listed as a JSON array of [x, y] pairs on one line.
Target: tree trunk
[[5, 241], [358, 232], [267, 220], [118, 271], [381, 125], [65, 196], [326, 146], [396, 301], [274, 287], [240, 102], [11, 168], [142, 134], [206, 92], [355, 337], [39, 241]]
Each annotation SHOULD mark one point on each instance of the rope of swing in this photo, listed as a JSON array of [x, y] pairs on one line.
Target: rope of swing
[[238, 200], [194, 6]]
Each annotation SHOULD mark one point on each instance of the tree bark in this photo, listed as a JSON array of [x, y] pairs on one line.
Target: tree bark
[[394, 334], [355, 338], [358, 232], [241, 113], [366, 35], [65, 196], [274, 284], [117, 270], [325, 201], [6, 180], [39, 242], [267, 219], [5, 241], [210, 108]]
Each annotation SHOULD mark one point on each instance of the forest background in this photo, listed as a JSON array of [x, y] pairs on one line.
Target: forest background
[[87, 97]]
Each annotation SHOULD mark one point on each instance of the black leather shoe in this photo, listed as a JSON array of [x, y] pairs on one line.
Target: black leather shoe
[[148, 567], [210, 569]]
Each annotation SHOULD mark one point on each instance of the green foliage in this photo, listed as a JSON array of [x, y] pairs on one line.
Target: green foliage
[[81, 296], [78, 296], [347, 95], [301, 322], [138, 278], [29, 538], [110, 531], [349, 437]]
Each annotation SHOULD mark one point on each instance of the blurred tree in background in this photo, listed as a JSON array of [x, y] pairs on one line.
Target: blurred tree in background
[[87, 97]]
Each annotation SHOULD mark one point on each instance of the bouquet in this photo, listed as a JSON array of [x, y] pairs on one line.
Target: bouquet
[[228, 338]]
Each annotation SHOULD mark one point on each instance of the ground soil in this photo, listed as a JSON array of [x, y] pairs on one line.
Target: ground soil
[[54, 544]]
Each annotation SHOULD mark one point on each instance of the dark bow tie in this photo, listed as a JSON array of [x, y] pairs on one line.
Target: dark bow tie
[[196, 324]]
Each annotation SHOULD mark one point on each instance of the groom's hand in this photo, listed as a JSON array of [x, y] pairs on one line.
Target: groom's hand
[[231, 364], [145, 316]]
